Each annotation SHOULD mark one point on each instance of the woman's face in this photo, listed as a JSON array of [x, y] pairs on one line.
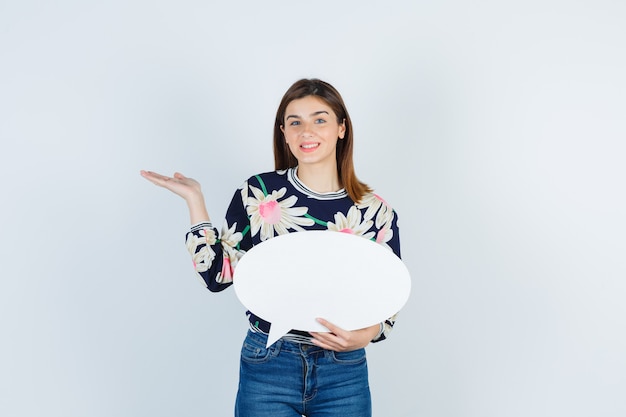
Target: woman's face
[[311, 131]]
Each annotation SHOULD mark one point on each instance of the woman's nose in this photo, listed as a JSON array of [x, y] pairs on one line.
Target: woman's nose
[[307, 130]]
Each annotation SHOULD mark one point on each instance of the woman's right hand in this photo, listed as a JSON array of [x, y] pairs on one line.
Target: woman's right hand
[[187, 188]]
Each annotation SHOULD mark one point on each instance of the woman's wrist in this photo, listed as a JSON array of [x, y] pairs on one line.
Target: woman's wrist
[[197, 209]]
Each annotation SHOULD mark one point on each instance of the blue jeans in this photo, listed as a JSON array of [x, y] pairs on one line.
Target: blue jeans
[[292, 380]]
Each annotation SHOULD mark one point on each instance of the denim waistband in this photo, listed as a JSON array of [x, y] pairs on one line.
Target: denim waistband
[[284, 344]]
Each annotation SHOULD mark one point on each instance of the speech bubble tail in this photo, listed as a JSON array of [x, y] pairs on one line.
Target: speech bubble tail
[[276, 332]]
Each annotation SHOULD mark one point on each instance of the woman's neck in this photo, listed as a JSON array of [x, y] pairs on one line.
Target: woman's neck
[[319, 179]]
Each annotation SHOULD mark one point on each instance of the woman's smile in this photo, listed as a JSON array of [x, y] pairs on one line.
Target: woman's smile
[[309, 147]]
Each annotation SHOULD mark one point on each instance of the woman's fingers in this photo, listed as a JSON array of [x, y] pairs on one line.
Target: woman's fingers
[[178, 184], [155, 178], [151, 175], [339, 339]]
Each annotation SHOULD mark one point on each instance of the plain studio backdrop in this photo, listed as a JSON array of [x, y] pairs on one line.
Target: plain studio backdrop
[[495, 129]]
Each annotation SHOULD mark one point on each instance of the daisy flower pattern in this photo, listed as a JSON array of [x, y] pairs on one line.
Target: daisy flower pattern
[[384, 235], [378, 207], [229, 239], [244, 191], [352, 223], [203, 257], [271, 216]]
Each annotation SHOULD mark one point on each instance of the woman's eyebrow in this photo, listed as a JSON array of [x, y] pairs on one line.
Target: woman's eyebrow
[[295, 116]]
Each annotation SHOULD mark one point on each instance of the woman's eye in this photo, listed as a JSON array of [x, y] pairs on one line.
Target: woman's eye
[[320, 121], [294, 123]]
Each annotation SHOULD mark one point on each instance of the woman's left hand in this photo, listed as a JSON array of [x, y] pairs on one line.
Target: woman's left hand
[[341, 340]]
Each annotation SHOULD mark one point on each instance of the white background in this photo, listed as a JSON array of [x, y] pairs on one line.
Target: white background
[[495, 128]]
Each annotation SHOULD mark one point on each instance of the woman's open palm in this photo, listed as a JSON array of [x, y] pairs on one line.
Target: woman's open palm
[[187, 188]]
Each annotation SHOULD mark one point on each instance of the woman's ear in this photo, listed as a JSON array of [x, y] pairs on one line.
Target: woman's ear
[[342, 129]]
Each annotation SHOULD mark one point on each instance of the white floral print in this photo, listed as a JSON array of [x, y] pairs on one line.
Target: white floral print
[[203, 258], [231, 255], [271, 216], [352, 223], [385, 235], [378, 207]]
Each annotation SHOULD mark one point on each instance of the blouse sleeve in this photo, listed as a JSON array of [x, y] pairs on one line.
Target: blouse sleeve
[[389, 235], [214, 254]]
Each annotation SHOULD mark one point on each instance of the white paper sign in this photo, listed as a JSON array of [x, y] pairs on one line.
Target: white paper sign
[[290, 280]]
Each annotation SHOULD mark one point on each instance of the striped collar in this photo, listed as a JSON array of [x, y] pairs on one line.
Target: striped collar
[[292, 177]]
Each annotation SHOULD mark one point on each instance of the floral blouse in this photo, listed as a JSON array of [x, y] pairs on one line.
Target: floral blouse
[[275, 203]]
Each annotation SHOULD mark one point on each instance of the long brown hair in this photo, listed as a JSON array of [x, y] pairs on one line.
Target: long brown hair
[[283, 158]]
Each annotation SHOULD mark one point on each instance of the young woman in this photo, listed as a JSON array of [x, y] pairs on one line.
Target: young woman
[[314, 187]]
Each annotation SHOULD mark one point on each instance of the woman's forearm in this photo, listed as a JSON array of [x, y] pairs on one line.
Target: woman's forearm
[[197, 209]]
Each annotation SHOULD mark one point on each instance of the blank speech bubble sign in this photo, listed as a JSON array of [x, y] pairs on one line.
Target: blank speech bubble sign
[[292, 279]]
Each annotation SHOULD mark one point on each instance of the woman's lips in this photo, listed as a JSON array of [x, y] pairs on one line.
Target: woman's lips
[[309, 146]]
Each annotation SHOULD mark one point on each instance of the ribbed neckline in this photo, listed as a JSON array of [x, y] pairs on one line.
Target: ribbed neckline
[[292, 177]]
